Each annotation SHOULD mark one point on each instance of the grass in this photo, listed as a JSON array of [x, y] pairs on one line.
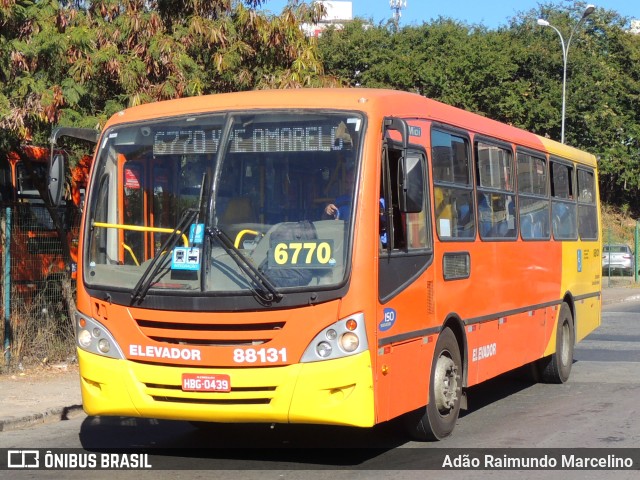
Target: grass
[[41, 329], [618, 226]]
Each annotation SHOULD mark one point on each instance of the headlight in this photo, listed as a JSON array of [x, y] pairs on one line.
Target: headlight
[[345, 337], [103, 345], [84, 338], [349, 342], [323, 349], [94, 337]]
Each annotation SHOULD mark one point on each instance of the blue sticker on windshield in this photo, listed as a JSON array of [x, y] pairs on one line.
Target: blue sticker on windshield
[[196, 233], [185, 258], [388, 320]]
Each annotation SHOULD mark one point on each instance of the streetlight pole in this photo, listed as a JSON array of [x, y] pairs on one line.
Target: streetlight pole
[[565, 53]]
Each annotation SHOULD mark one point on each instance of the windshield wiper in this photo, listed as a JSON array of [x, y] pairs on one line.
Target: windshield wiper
[[143, 285], [260, 279]]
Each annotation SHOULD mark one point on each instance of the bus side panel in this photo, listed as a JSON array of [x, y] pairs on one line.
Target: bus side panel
[[581, 268], [403, 377], [505, 278], [482, 337], [587, 317]]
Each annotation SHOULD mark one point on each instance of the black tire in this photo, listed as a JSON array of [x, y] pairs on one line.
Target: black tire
[[556, 368], [439, 418], [205, 426]]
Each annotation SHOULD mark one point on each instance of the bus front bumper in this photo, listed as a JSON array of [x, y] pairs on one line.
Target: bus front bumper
[[335, 392]]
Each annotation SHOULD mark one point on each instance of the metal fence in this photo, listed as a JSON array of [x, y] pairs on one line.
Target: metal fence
[[36, 285]]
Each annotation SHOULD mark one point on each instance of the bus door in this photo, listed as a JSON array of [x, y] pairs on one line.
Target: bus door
[[163, 183], [148, 200], [133, 244], [405, 313]]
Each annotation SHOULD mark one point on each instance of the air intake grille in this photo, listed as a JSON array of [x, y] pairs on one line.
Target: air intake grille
[[210, 334], [456, 265]]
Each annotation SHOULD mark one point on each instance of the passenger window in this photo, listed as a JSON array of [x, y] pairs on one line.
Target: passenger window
[[453, 189], [563, 204], [533, 210], [587, 210], [496, 199]]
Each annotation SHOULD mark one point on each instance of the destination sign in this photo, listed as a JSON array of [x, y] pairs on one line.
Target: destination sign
[[308, 138]]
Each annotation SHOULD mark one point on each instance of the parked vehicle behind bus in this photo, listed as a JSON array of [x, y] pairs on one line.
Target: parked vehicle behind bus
[[213, 287], [36, 247], [617, 258]]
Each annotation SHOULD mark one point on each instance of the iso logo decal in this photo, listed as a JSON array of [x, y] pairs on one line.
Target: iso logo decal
[[23, 459]]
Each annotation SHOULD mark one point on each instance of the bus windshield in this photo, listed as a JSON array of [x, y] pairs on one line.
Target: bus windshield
[[214, 203]]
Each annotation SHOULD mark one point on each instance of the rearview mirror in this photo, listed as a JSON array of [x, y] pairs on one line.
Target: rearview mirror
[[412, 184], [56, 178]]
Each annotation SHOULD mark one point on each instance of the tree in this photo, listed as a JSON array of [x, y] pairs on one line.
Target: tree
[[514, 75], [79, 62]]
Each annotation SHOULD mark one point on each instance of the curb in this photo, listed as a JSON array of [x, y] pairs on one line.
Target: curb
[[48, 416]]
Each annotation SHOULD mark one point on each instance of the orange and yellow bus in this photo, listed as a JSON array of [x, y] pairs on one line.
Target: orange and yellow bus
[[339, 256]]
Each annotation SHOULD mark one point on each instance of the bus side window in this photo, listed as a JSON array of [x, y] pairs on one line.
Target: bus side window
[[587, 209], [533, 208], [496, 199], [453, 189], [563, 202]]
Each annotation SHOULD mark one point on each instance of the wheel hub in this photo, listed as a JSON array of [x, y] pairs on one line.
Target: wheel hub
[[446, 384]]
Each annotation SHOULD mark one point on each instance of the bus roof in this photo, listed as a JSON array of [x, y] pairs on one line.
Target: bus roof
[[374, 102]]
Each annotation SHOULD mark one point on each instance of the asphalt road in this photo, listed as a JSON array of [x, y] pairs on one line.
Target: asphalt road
[[597, 408]]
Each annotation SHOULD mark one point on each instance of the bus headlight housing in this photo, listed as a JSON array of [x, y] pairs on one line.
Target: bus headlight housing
[[345, 337], [94, 337], [349, 342]]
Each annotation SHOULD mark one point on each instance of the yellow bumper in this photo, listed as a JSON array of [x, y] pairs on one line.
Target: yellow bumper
[[335, 392]]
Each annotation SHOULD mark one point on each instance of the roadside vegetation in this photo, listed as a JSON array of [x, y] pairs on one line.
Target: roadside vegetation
[[618, 225]]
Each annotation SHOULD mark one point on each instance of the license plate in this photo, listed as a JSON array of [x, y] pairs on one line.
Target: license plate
[[196, 382]]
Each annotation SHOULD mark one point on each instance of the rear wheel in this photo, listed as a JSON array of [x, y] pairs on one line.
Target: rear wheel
[[556, 368], [445, 391]]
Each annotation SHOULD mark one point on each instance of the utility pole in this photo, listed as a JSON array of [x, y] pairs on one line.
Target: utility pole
[[397, 6]]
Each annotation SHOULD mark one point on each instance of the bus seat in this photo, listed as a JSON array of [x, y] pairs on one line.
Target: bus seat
[[239, 210], [526, 226]]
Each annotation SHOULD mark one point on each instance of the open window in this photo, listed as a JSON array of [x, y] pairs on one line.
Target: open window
[[404, 225], [496, 191]]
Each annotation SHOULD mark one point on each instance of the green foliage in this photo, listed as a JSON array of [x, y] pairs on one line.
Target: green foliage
[[79, 62], [514, 74]]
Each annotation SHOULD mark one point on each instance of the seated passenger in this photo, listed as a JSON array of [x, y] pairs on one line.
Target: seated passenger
[[340, 209]]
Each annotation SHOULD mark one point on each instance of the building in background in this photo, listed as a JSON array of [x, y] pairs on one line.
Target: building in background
[[337, 14]]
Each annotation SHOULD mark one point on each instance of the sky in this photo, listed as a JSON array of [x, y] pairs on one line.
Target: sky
[[490, 13]]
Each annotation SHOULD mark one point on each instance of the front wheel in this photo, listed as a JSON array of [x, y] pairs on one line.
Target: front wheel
[[445, 391], [556, 368]]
